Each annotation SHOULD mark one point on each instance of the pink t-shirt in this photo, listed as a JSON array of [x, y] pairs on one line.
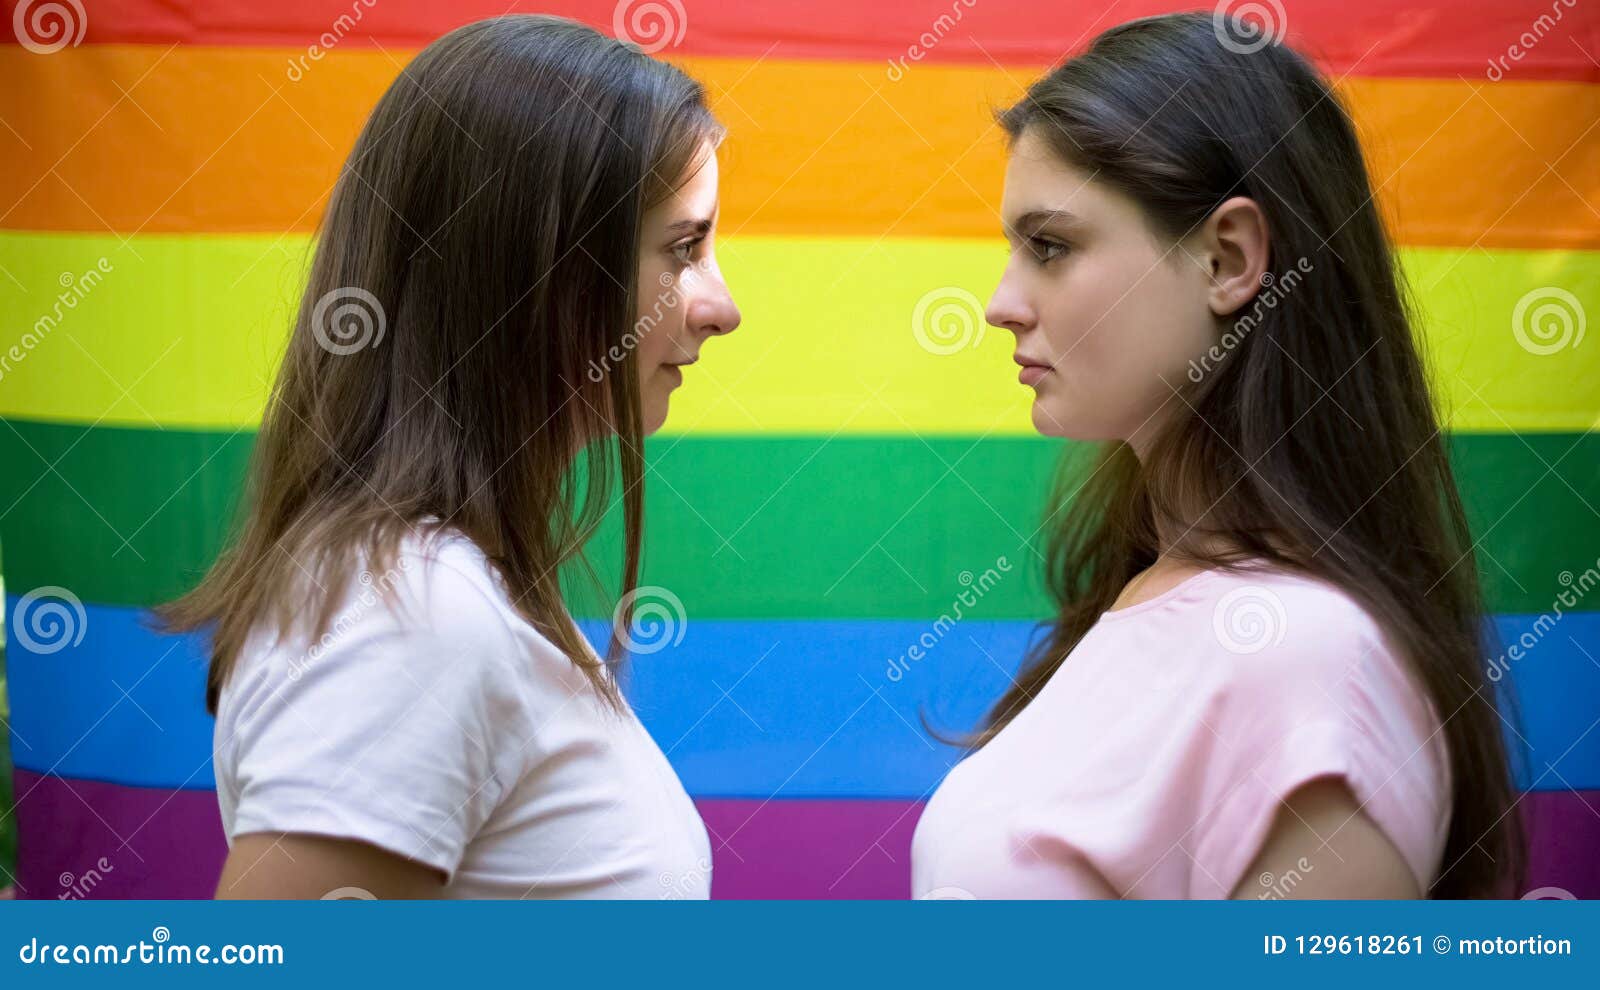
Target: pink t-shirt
[[1152, 763]]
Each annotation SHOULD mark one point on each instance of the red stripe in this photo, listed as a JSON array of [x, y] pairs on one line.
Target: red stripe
[[86, 839], [1430, 38]]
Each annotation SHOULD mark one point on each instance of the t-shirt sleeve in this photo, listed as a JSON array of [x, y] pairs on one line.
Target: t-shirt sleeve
[[1330, 701], [401, 727]]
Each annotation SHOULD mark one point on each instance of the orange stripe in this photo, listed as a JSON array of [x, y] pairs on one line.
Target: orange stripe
[[136, 138]]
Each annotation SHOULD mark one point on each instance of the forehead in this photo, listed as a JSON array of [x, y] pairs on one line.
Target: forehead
[[1037, 179], [696, 196]]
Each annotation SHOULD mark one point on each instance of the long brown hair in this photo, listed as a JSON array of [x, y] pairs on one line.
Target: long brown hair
[[1180, 118], [478, 255]]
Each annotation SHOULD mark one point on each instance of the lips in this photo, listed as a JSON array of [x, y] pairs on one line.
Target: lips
[[1033, 370]]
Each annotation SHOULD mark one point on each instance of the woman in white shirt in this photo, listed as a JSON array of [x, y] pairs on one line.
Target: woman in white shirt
[[515, 264]]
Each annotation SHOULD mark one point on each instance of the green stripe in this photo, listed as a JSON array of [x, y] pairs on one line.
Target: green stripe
[[753, 527]]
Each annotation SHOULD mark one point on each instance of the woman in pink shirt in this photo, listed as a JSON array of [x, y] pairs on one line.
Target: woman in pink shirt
[[1265, 677]]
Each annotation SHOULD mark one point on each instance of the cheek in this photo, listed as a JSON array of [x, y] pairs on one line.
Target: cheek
[[1123, 329]]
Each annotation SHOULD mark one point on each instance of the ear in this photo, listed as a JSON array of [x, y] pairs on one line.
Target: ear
[[1234, 248]]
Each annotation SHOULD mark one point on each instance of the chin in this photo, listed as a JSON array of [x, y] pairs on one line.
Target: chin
[[653, 415], [1063, 424]]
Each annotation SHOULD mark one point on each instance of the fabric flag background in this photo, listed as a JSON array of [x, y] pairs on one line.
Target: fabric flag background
[[827, 486]]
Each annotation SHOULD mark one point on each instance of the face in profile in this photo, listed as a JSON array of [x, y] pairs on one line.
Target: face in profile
[[1107, 317], [683, 299]]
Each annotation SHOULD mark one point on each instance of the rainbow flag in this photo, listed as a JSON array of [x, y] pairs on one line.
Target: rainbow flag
[[826, 487]]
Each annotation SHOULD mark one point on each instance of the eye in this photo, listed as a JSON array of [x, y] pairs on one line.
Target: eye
[[1045, 250], [684, 251]]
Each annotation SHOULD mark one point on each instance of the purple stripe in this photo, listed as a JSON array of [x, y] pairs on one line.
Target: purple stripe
[[83, 838], [87, 839], [1564, 841], [810, 848]]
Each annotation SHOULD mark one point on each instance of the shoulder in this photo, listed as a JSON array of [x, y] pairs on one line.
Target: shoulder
[[1269, 630], [432, 611]]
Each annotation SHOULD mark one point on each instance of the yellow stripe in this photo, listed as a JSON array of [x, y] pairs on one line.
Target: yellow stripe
[[184, 331]]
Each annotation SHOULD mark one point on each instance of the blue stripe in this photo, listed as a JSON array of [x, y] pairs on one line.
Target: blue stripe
[[744, 708]]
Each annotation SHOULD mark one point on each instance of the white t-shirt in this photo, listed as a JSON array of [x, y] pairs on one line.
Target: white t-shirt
[[450, 731]]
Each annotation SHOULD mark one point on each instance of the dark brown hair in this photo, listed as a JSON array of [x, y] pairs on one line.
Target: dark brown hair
[[1168, 113], [479, 253]]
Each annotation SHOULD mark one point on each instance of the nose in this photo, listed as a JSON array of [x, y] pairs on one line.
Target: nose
[[712, 310], [1008, 308]]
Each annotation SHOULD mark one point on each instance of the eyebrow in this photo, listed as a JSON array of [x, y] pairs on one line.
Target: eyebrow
[[696, 226], [1033, 220]]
